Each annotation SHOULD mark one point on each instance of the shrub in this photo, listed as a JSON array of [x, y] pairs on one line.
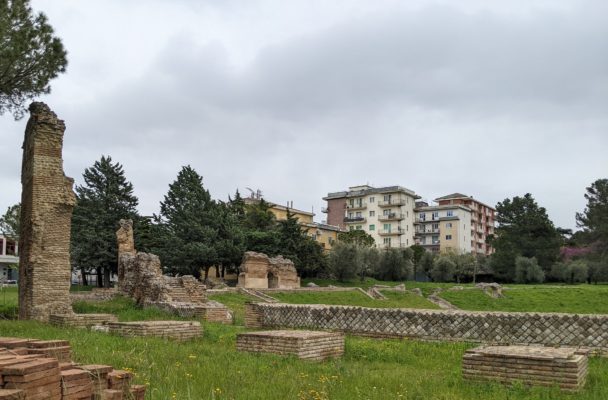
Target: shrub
[[527, 270], [345, 261], [443, 269], [396, 265]]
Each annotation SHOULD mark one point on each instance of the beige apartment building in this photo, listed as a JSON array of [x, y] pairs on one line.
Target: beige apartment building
[[482, 220], [443, 228], [385, 213], [324, 234]]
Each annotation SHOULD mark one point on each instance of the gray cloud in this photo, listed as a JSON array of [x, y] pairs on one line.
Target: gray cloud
[[436, 98]]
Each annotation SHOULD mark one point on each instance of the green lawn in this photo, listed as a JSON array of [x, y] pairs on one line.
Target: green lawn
[[583, 299], [355, 298], [210, 368], [124, 308]]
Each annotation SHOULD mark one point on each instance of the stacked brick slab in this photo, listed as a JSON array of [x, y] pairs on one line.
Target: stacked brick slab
[[551, 329], [81, 320], [47, 200], [307, 345], [27, 373], [210, 311], [179, 330], [533, 365]]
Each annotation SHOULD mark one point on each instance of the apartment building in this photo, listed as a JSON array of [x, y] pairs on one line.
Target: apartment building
[[482, 220], [9, 256], [443, 227], [386, 213], [324, 234]]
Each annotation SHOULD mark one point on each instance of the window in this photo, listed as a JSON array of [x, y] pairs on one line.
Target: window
[[435, 215], [407, 242], [435, 239], [359, 214], [422, 216], [387, 198], [351, 228], [350, 215], [11, 248], [450, 213], [448, 237], [435, 226], [423, 241], [331, 241], [387, 227], [372, 227], [358, 227], [372, 199], [448, 225], [387, 242], [1, 246], [387, 212], [372, 213]]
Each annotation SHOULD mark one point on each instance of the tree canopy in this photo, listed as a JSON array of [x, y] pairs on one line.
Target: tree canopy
[[30, 56], [524, 229], [358, 237], [594, 219], [11, 220], [105, 198]]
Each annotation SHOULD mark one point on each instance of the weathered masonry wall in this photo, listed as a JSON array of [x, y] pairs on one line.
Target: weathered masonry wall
[[449, 325], [47, 201]]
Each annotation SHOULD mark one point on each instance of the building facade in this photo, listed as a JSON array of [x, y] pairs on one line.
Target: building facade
[[443, 228], [482, 220], [385, 213], [9, 258], [324, 234]]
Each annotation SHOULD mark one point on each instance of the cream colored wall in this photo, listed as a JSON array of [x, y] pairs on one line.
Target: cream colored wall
[[281, 214]]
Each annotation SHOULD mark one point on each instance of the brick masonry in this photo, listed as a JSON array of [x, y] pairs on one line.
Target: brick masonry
[[306, 345], [551, 329], [532, 365], [179, 330], [47, 200]]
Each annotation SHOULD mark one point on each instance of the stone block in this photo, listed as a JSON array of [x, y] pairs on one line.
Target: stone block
[[307, 345]]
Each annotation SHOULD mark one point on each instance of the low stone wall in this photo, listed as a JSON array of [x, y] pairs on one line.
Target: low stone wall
[[551, 329], [179, 330], [96, 294], [306, 345], [81, 320]]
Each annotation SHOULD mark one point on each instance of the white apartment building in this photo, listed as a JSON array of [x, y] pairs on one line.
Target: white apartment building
[[9, 256], [386, 213], [444, 227]]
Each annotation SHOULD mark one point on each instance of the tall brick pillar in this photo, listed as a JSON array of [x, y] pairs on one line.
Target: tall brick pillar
[[47, 200]]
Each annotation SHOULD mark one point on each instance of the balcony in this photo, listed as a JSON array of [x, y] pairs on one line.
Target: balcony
[[391, 217], [391, 202], [354, 220], [356, 206], [429, 232], [325, 210], [391, 232]]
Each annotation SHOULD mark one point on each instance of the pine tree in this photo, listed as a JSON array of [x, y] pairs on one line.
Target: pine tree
[[190, 218], [104, 199], [594, 220], [524, 229], [30, 56]]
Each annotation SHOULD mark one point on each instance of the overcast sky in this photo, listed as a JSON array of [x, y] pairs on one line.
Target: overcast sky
[[302, 98]]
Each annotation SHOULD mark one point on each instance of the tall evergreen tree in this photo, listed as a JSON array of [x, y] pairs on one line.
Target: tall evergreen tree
[[188, 214], [594, 219], [30, 56], [295, 244], [524, 229], [260, 229], [104, 199], [230, 243]]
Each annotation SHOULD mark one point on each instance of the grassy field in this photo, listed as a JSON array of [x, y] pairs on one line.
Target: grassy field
[[583, 299], [210, 368], [356, 298]]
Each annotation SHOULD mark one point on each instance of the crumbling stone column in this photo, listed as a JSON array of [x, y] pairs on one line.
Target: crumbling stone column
[[47, 201]]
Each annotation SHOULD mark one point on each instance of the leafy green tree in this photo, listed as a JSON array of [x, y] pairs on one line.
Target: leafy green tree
[[573, 271], [527, 270], [427, 262], [594, 219], [30, 56], [189, 216], [418, 252], [295, 244], [345, 261], [357, 237], [370, 263], [396, 265], [261, 229], [10, 222], [524, 229], [230, 243], [104, 199], [443, 269]]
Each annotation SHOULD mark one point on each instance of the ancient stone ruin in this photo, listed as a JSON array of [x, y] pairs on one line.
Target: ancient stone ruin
[[493, 290], [258, 271], [533, 365], [140, 277], [47, 200], [306, 345]]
